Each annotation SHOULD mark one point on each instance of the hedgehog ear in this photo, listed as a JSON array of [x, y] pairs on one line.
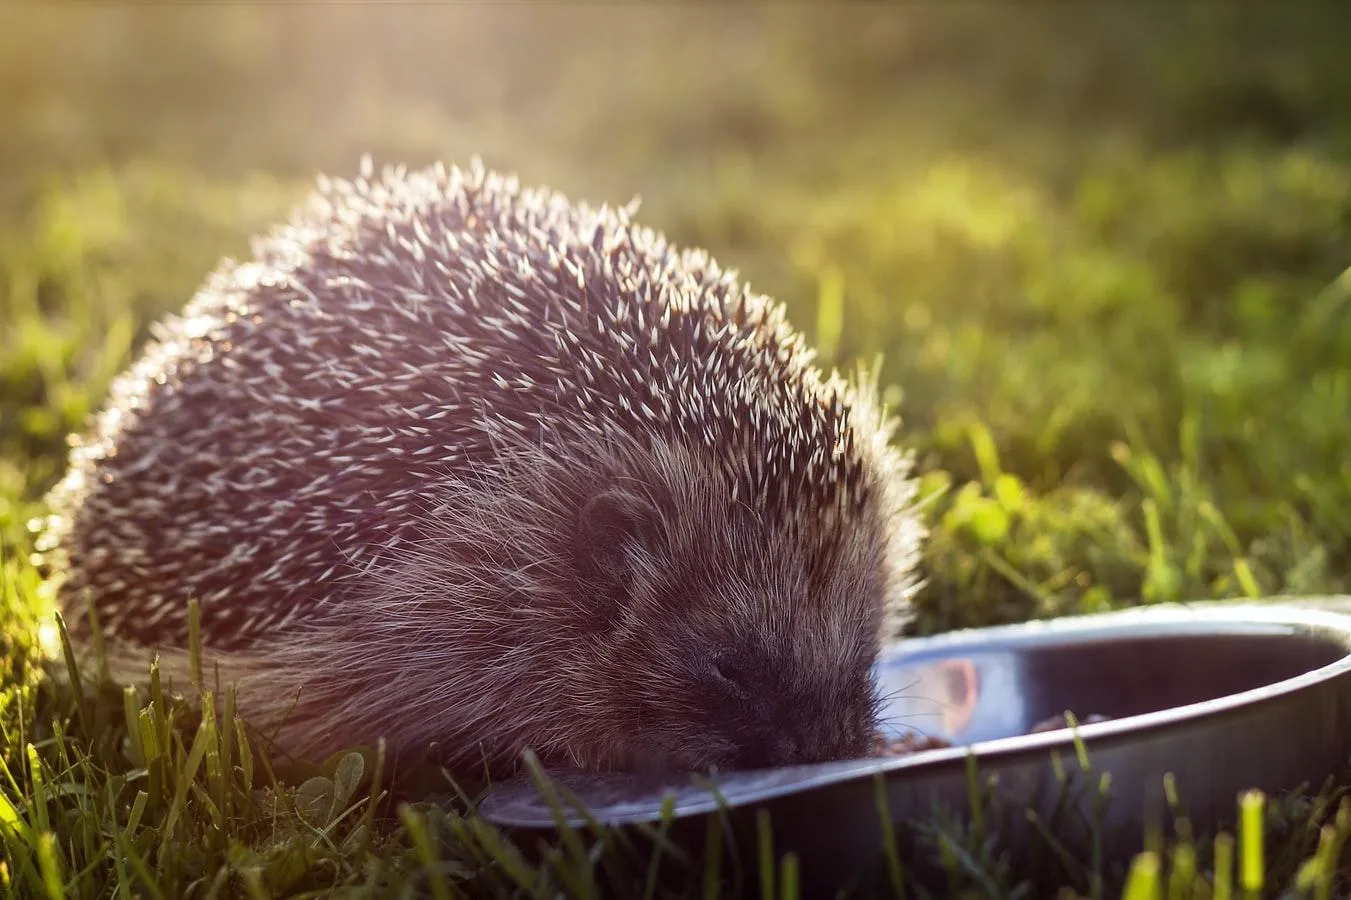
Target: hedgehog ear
[[611, 524]]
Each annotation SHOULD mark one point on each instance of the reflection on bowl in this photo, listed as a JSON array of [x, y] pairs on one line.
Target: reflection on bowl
[[998, 683], [936, 699]]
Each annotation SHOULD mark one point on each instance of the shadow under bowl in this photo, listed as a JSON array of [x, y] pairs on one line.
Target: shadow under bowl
[[1224, 697]]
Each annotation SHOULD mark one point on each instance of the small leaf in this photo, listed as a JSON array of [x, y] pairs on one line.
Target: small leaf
[[347, 779], [1095, 599], [1008, 489], [988, 522], [314, 801]]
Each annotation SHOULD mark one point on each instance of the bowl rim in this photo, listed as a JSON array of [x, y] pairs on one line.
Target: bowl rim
[[1280, 616]]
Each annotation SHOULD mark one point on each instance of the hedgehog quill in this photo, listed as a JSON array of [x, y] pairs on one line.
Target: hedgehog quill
[[466, 465]]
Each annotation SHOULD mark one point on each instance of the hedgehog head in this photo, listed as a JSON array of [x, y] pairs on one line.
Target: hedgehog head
[[725, 636]]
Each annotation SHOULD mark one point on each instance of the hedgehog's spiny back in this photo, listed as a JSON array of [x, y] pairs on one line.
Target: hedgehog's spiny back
[[653, 338], [289, 425]]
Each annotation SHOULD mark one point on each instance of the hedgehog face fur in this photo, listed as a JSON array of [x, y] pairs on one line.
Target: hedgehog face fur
[[757, 646], [464, 465]]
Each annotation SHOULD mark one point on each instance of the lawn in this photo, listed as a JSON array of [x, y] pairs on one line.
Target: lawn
[[1099, 251]]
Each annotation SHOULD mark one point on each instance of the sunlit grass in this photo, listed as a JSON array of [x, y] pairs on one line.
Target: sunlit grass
[[163, 796]]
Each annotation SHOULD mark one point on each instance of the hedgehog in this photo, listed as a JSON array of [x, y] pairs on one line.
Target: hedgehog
[[466, 467]]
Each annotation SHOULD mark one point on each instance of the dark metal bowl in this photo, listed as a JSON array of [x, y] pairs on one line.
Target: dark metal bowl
[[1224, 697]]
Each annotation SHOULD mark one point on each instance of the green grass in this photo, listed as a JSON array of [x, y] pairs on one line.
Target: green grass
[[1100, 253]]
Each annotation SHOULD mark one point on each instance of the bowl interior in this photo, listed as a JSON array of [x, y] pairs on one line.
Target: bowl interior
[[995, 689]]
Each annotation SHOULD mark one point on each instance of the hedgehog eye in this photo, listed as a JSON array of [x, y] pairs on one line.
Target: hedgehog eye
[[610, 525], [730, 669]]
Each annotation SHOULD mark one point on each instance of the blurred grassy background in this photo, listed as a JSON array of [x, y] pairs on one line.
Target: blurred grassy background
[[1098, 247]]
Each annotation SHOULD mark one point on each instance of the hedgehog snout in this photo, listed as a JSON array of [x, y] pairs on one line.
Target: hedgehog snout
[[761, 723], [766, 747], [780, 731]]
